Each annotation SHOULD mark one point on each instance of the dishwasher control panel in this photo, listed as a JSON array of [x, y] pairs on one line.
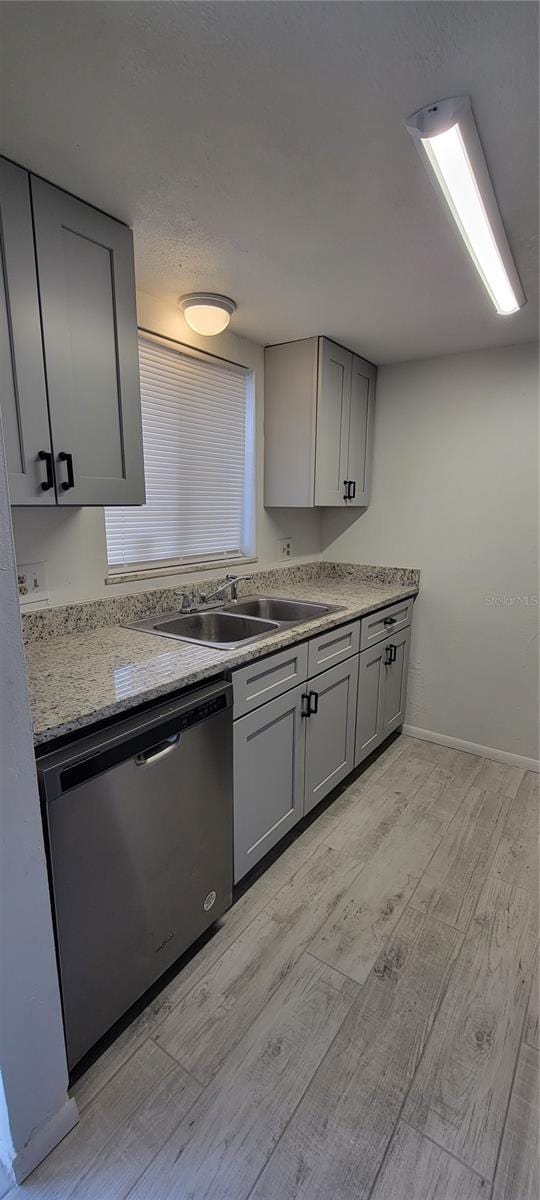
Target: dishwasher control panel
[[207, 709]]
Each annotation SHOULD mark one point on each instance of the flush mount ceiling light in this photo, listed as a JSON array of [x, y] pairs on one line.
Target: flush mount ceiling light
[[207, 313], [446, 136]]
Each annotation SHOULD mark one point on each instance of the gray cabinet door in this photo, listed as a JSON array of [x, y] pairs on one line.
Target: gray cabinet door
[[23, 395], [395, 692], [87, 292], [371, 698], [330, 730], [333, 408], [360, 448], [268, 777]]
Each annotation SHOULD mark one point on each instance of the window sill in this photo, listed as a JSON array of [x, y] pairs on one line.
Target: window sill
[[189, 569]]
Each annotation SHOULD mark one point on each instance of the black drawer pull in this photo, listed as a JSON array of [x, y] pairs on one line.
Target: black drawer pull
[[352, 489], [70, 481], [305, 711], [346, 485], [46, 457], [389, 620], [315, 697], [391, 655]]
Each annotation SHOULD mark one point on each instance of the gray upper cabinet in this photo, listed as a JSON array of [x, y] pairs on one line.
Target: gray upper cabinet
[[87, 292], [23, 397], [318, 422], [360, 432], [69, 370], [333, 417]]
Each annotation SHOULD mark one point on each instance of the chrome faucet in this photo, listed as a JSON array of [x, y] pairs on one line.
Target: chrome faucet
[[231, 582]]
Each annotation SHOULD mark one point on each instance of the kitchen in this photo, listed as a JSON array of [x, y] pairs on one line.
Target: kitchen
[[270, 543]]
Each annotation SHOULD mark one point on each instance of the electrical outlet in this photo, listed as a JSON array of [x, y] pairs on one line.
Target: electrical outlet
[[32, 583], [285, 548]]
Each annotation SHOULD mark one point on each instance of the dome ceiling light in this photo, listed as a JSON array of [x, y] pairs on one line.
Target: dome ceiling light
[[206, 312]]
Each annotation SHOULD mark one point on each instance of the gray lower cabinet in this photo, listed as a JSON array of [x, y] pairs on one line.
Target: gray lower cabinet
[[395, 691], [23, 395], [330, 730], [269, 746], [292, 750], [370, 707], [382, 692]]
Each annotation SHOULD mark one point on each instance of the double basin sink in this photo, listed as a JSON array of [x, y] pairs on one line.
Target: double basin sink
[[235, 624]]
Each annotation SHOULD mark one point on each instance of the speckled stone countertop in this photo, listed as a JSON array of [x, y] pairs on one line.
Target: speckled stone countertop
[[77, 679]]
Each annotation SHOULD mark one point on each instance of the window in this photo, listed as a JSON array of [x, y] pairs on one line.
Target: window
[[197, 438]]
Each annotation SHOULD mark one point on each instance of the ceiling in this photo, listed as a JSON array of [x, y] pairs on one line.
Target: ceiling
[[258, 149]]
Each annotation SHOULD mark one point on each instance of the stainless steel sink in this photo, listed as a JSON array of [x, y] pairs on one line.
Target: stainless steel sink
[[286, 612], [236, 624], [209, 628]]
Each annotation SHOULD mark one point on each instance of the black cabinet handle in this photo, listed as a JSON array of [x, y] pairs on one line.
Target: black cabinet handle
[[70, 481], [305, 711], [389, 620], [46, 457], [352, 489], [346, 485], [391, 655], [315, 697]]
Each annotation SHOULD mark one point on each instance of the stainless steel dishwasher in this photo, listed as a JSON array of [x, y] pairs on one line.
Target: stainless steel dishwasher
[[139, 824]]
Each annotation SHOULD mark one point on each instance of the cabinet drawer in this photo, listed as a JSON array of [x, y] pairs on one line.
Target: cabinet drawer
[[379, 625], [268, 677], [333, 646]]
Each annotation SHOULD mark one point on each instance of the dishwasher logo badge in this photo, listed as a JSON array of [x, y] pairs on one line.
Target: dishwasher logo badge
[[209, 901], [164, 943]]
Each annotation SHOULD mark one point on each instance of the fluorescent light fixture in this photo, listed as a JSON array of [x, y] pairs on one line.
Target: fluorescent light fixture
[[446, 136], [207, 313]]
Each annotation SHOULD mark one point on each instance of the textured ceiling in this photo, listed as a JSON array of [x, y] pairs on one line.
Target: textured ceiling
[[258, 149]]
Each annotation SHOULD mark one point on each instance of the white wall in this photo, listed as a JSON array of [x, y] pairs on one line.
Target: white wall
[[35, 1111], [72, 541], [455, 493]]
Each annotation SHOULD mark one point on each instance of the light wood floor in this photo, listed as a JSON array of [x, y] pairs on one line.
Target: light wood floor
[[363, 1024]]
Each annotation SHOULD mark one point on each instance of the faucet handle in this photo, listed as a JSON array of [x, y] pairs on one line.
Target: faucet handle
[[186, 602]]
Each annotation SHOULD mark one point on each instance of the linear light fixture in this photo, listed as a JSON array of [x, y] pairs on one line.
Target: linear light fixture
[[446, 135]]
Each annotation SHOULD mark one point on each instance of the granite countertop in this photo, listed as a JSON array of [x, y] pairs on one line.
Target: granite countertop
[[79, 678]]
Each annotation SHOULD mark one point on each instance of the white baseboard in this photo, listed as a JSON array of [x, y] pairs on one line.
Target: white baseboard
[[504, 756], [43, 1140]]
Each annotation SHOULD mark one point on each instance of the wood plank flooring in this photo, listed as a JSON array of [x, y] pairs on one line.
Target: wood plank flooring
[[363, 1023]]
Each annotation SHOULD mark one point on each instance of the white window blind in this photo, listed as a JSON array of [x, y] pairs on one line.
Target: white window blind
[[195, 425]]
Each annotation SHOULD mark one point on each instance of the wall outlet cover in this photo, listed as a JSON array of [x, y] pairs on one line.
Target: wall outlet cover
[[32, 583], [285, 548]]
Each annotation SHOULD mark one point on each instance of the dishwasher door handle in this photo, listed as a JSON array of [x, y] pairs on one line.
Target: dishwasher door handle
[[147, 757]]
